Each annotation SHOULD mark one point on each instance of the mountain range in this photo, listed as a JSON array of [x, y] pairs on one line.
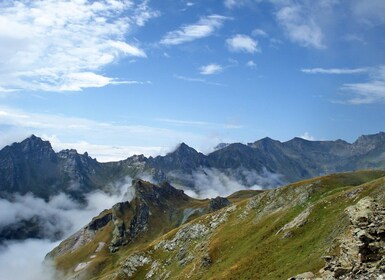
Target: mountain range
[[32, 166]]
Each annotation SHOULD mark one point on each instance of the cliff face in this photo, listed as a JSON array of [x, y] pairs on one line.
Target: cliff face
[[273, 234]]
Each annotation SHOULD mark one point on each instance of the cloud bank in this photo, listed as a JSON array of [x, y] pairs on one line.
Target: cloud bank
[[23, 259], [211, 182]]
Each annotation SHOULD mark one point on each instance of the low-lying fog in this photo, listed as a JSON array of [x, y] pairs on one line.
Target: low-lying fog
[[22, 260]]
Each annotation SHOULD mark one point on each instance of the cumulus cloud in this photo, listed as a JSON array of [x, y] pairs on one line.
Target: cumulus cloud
[[61, 45], [210, 69], [205, 27], [243, 43]]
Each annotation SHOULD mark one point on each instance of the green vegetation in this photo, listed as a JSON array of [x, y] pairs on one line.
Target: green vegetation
[[273, 234]]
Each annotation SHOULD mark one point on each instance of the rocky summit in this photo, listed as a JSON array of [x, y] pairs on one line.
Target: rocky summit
[[329, 227]]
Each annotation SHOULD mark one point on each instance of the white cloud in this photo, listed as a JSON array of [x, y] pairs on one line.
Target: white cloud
[[307, 136], [251, 64], [211, 182], [242, 43], [84, 134], [144, 13], [45, 43], [369, 92], [230, 3], [259, 32], [198, 80], [24, 259], [336, 71], [210, 69], [105, 153], [203, 28], [300, 27], [236, 3]]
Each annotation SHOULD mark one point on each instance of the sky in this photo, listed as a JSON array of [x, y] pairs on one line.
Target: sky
[[117, 78]]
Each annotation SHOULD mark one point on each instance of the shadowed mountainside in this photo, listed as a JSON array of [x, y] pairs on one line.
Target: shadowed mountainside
[[33, 166]]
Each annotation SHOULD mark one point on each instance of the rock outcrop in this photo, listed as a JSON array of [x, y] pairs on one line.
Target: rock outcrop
[[362, 249]]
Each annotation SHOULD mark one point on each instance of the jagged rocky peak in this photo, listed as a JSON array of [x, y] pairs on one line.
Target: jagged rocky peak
[[366, 143], [184, 150], [34, 145]]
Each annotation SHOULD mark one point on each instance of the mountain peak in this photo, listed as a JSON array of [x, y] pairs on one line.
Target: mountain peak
[[35, 145], [183, 150]]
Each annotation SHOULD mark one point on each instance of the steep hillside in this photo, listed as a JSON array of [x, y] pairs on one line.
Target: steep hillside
[[273, 234]]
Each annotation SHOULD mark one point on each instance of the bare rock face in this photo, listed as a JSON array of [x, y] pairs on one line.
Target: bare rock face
[[362, 250], [124, 232], [218, 203]]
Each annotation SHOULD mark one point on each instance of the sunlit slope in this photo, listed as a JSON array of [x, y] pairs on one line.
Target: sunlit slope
[[275, 234]]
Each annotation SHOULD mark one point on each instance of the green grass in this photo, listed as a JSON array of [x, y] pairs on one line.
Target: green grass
[[250, 248]]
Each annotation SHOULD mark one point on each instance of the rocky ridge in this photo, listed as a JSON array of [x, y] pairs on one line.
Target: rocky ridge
[[271, 235]]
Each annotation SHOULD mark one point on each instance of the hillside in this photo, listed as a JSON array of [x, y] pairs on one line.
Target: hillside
[[273, 234]]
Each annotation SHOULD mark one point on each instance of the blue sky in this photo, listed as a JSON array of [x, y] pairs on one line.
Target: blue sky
[[116, 78]]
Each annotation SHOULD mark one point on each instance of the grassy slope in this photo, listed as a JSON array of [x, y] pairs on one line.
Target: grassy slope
[[247, 246]]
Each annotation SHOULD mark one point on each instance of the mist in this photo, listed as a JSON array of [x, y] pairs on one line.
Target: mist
[[23, 260], [211, 182]]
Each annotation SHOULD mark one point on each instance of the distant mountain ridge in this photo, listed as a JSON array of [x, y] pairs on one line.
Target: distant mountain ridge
[[33, 166]]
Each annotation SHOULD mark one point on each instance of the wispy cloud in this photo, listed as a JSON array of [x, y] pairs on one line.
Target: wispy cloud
[[197, 80], [49, 45], [336, 71], [369, 12], [105, 153], [370, 91], [299, 26], [259, 32], [200, 123], [243, 43], [210, 69], [234, 3], [205, 27], [84, 134]]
